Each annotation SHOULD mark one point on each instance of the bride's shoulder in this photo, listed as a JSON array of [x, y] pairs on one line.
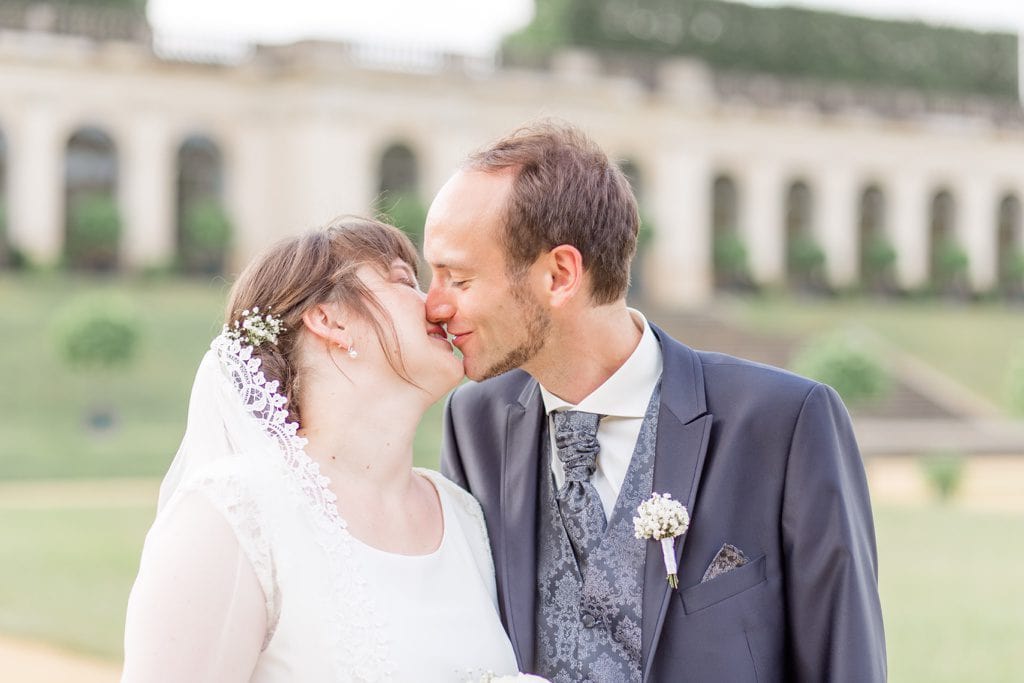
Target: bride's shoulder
[[462, 499], [227, 482]]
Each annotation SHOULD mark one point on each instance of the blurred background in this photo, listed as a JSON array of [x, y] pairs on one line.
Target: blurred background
[[834, 187]]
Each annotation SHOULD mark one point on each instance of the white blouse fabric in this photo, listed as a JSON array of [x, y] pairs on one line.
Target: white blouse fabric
[[248, 576]]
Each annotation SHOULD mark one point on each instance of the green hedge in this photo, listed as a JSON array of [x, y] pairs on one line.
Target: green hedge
[[846, 362], [786, 41], [97, 332]]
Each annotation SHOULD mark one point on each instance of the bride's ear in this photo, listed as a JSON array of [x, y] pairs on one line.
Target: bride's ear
[[324, 322]]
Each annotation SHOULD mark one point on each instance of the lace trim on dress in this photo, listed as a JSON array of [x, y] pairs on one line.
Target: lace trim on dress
[[360, 651]]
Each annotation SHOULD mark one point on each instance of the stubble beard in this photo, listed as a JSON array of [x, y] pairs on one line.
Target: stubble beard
[[536, 323]]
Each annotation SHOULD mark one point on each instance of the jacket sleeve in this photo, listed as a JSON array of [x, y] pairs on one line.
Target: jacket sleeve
[[451, 459], [831, 564]]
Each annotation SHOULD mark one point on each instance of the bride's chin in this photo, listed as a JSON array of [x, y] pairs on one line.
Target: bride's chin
[[454, 374], [442, 377]]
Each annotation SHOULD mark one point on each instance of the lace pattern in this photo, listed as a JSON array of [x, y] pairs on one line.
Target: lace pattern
[[360, 652]]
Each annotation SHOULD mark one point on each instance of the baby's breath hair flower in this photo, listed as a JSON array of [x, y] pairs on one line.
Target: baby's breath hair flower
[[663, 519], [255, 327]]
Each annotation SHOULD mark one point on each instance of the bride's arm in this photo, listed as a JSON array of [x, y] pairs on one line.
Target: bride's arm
[[197, 611]]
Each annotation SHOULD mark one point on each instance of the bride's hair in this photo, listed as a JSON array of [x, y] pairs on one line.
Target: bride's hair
[[314, 268]]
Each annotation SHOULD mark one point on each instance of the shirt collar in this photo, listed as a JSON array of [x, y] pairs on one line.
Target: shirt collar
[[628, 391]]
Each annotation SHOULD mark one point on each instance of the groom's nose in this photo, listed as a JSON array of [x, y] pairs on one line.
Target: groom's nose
[[439, 309]]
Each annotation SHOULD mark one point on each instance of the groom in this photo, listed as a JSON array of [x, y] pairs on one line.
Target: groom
[[582, 408]]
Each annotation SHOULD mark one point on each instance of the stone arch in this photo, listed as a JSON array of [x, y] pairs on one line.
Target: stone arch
[[399, 197], [805, 259], [877, 256], [729, 255], [92, 218], [202, 228], [398, 171], [947, 260], [1009, 245]]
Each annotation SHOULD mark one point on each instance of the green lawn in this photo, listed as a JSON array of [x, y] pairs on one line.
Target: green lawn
[[951, 594], [43, 404], [973, 343], [954, 609], [66, 574]]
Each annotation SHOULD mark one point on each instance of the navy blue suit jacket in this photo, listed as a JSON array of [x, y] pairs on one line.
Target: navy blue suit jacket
[[764, 460]]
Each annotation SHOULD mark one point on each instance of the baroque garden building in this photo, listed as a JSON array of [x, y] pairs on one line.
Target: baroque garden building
[[743, 177]]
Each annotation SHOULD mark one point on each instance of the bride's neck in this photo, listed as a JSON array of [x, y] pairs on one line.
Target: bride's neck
[[362, 438]]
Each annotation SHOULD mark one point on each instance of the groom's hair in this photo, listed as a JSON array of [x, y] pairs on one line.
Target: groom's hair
[[565, 191]]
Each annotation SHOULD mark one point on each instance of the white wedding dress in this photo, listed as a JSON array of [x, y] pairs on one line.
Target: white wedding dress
[[249, 574]]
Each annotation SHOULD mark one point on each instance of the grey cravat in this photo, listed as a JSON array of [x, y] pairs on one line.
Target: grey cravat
[[582, 512]]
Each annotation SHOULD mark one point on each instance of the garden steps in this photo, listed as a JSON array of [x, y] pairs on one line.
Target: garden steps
[[924, 411]]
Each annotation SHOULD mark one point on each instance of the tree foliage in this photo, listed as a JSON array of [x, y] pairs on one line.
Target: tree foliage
[[847, 363], [94, 230], [786, 41], [97, 333]]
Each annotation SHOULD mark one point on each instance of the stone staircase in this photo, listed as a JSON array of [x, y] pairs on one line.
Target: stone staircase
[[922, 412]]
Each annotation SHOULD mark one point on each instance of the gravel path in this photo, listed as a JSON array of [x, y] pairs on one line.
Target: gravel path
[[23, 661]]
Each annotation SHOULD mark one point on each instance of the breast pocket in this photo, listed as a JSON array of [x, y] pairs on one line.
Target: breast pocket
[[723, 587]]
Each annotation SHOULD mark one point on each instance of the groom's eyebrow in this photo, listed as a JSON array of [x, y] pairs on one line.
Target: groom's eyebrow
[[448, 265]]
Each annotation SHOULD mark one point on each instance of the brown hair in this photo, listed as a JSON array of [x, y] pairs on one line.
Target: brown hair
[[314, 268], [565, 191]]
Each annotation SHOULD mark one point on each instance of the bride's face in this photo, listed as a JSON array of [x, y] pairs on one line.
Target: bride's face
[[423, 346]]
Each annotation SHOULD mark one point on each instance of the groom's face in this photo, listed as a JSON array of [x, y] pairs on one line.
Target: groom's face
[[497, 324]]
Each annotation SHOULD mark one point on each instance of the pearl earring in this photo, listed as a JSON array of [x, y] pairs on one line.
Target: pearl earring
[[352, 353]]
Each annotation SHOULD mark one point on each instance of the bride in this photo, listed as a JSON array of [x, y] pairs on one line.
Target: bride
[[294, 540]]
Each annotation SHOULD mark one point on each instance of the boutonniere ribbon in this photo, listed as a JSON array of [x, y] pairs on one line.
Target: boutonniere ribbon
[[663, 519]]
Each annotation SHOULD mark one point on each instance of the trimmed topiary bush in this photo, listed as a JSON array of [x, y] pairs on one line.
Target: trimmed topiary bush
[[944, 472], [94, 230], [848, 364], [950, 267], [730, 258], [206, 237], [99, 335], [879, 260]]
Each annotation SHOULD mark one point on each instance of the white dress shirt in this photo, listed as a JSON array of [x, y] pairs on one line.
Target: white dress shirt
[[623, 400]]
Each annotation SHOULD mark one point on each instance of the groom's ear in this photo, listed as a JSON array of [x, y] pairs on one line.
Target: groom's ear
[[564, 274], [324, 322]]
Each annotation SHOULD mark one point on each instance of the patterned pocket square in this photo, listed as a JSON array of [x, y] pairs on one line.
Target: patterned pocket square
[[729, 557]]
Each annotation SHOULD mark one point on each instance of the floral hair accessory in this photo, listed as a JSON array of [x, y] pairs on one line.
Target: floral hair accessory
[[663, 519], [255, 328]]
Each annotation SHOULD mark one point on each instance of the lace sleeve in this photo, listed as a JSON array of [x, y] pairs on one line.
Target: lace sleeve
[[197, 611]]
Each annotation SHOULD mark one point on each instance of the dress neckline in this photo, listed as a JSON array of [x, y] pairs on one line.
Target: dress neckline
[[445, 525]]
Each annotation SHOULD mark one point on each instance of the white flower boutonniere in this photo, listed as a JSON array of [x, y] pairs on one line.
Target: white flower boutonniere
[[663, 519]]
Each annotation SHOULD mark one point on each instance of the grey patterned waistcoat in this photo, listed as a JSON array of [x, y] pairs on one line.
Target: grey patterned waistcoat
[[589, 626]]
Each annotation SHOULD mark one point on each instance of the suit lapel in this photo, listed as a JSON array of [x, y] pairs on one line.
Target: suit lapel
[[684, 426], [521, 464]]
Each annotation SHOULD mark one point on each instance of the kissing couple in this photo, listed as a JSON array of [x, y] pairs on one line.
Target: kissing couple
[[613, 505]]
